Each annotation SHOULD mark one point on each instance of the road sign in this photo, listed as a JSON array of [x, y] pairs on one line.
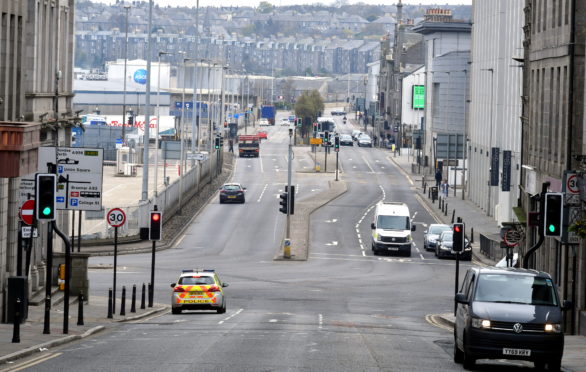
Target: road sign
[[27, 212], [315, 141], [119, 143], [572, 184], [26, 232], [116, 217], [84, 168]]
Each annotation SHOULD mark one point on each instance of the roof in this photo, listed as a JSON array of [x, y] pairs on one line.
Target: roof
[[389, 208], [509, 270]]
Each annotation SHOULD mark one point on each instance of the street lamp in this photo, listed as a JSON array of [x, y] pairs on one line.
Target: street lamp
[[181, 128], [158, 123], [491, 70], [126, 8]]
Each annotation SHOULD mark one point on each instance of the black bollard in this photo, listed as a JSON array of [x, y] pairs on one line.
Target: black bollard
[[446, 210], [123, 301], [151, 294], [80, 308], [459, 219], [471, 235], [133, 304], [453, 214], [429, 193], [16, 330], [142, 297], [110, 316], [439, 203]]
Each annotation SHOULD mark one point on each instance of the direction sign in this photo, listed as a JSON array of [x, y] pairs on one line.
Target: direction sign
[[27, 212], [83, 168], [315, 141], [116, 217]]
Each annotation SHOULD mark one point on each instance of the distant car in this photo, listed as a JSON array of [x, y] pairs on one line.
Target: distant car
[[337, 112], [263, 122], [198, 290], [346, 140], [285, 121], [431, 235], [262, 134], [444, 246], [355, 134], [364, 141], [232, 193]]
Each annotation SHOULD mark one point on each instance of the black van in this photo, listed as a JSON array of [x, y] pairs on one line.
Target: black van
[[508, 313]]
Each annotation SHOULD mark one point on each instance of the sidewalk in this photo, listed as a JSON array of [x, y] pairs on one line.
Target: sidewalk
[[574, 358], [32, 339]]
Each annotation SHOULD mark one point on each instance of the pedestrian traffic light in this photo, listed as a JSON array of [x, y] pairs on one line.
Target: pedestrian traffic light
[[337, 143], [458, 237], [554, 207], [46, 187], [156, 221], [217, 143], [283, 202]]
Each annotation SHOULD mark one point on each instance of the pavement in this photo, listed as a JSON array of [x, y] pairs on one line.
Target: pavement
[[574, 358]]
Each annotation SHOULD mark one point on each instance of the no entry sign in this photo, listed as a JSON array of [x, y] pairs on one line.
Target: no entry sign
[[27, 212]]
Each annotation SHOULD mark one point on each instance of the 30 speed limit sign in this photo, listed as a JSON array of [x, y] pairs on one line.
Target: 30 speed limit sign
[[116, 217]]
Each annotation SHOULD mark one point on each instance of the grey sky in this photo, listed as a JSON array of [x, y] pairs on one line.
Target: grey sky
[[293, 2]]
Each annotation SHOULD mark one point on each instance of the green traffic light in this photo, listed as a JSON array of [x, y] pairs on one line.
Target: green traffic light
[[551, 228], [46, 211]]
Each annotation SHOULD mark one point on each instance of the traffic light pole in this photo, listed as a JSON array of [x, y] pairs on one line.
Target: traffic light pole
[[540, 230], [67, 276], [290, 190], [47, 322], [115, 269]]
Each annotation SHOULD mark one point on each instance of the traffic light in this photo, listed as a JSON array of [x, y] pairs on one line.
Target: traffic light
[[315, 127], [554, 207], [299, 122], [283, 202], [46, 187], [221, 141], [217, 143], [458, 237], [292, 197], [326, 138], [337, 143], [156, 221]]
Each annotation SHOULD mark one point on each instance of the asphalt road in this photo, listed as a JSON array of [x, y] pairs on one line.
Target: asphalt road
[[342, 310]]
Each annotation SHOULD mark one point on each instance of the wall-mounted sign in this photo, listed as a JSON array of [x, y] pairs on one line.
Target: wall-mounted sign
[[418, 97], [506, 179], [494, 166], [140, 76]]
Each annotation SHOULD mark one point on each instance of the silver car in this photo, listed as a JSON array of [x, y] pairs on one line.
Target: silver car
[[364, 141], [432, 234]]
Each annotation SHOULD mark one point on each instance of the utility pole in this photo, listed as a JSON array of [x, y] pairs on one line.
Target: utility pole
[[145, 167]]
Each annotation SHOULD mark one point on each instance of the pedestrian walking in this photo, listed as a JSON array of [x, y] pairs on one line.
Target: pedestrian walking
[[231, 145], [438, 177], [445, 188]]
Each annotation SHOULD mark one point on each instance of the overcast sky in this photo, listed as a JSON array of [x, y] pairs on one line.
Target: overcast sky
[[292, 2]]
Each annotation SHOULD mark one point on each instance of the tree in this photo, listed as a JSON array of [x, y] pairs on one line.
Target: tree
[[265, 7], [308, 107]]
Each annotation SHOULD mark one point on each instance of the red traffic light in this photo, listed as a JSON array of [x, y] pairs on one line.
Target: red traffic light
[[457, 228], [155, 216]]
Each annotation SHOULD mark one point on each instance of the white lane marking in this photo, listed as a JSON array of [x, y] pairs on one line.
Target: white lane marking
[[273, 321], [260, 161], [178, 242], [231, 316], [368, 165], [262, 192], [320, 321]]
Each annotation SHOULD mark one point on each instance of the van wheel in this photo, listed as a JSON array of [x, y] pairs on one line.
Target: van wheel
[[467, 359], [458, 355]]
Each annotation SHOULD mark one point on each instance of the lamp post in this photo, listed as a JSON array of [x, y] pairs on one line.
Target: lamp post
[[158, 123], [126, 8], [181, 128]]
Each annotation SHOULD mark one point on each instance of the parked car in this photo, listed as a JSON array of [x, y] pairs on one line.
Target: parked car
[[355, 134], [346, 140], [262, 134], [508, 313], [263, 122], [431, 235]]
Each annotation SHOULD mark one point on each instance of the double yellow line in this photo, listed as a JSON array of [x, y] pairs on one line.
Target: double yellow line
[[33, 362]]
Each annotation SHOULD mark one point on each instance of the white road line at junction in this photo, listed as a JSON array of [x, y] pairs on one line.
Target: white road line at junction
[[231, 316], [262, 192], [368, 165], [178, 242], [320, 321], [260, 161]]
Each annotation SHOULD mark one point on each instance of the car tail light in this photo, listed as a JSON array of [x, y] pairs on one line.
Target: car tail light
[[178, 289], [222, 191], [256, 150], [213, 288]]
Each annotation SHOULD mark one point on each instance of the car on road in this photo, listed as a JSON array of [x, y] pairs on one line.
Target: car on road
[[346, 140], [337, 113], [285, 121], [263, 122], [444, 244], [232, 193], [364, 141], [431, 235], [508, 313], [355, 134], [262, 134], [198, 290]]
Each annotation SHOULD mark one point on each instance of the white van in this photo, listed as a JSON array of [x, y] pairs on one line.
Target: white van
[[391, 228]]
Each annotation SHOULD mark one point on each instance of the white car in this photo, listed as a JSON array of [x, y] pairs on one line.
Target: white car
[[285, 121], [263, 122], [355, 134], [364, 141]]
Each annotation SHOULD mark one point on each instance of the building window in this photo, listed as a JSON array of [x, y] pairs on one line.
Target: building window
[[553, 10], [537, 15], [560, 11], [436, 100], [567, 12]]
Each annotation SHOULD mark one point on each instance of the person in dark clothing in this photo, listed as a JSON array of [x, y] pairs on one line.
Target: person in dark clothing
[[438, 178], [231, 145]]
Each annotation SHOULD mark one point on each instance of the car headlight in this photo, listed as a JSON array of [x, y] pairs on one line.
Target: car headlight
[[553, 328], [375, 236], [409, 238], [432, 240], [480, 323]]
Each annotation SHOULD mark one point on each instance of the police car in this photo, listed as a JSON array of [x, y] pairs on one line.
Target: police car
[[198, 290]]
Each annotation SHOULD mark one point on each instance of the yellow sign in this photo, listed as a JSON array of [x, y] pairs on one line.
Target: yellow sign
[[315, 141]]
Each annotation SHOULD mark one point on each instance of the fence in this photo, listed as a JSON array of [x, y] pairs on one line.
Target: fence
[[490, 248]]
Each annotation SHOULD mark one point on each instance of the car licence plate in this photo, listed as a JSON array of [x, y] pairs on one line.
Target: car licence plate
[[196, 301], [517, 352], [393, 248], [231, 196]]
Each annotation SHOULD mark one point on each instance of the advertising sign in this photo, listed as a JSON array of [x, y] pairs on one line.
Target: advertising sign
[[140, 76], [418, 97]]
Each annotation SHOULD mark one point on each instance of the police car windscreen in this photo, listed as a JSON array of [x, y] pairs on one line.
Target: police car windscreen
[[392, 222], [195, 280]]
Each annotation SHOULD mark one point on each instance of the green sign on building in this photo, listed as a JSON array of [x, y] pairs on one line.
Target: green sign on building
[[418, 98]]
